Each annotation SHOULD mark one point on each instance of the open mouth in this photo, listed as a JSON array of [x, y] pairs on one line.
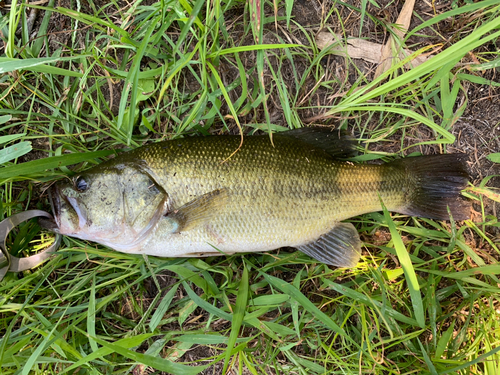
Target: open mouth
[[54, 201], [52, 224], [68, 215]]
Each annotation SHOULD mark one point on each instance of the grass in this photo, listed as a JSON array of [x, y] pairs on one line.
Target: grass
[[94, 79]]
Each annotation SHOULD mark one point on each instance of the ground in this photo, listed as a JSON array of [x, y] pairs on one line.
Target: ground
[[114, 297]]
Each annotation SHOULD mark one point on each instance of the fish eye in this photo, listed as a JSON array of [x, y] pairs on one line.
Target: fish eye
[[81, 184]]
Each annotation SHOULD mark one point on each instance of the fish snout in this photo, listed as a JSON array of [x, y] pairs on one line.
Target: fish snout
[[70, 215]]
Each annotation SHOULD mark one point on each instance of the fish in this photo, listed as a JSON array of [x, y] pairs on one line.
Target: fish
[[197, 197]]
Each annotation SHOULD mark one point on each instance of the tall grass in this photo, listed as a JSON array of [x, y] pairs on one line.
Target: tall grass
[[423, 299]]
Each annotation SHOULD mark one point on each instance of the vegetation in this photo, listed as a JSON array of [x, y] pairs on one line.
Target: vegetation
[[89, 79]]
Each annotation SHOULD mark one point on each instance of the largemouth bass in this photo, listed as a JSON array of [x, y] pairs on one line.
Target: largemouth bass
[[186, 198]]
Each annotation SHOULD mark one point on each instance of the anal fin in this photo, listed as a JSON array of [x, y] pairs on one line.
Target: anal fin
[[340, 247]]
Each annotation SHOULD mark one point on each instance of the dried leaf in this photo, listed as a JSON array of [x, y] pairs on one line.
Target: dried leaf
[[403, 21], [356, 48]]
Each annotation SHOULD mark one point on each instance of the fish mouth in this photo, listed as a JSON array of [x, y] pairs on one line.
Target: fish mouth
[[62, 205], [54, 223]]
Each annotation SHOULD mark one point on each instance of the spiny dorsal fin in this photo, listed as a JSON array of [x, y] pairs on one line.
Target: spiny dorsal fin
[[336, 143], [198, 211], [340, 247]]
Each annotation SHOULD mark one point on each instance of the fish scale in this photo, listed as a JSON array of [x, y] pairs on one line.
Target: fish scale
[[291, 191], [266, 189]]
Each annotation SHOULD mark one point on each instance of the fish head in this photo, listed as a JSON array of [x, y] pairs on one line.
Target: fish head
[[117, 205]]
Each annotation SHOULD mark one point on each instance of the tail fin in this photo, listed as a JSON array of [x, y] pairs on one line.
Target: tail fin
[[435, 185]]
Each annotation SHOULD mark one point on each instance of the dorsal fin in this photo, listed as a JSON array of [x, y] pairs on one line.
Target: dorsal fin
[[336, 143]]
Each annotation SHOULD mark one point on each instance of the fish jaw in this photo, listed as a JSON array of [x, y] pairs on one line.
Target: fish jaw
[[69, 215], [65, 217]]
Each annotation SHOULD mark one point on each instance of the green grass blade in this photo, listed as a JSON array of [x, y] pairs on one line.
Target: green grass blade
[[126, 343], [157, 363], [360, 297], [451, 13], [477, 79], [283, 95], [14, 151], [90, 20], [447, 136], [176, 68], [455, 52], [205, 305], [238, 315], [308, 305], [42, 31], [491, 269], [8, 331], [288, 7], [10, 137], [14, 17], [47, 69], [162, 308], [409, 271], [427, 359], [480, 359], [131, 85], [193, 17], [91, 317], [37, 352], [193, 13], [188, 275], [443, 342], [256, 47], [226, 96], [494, 157], [38, 64], [38, 167]]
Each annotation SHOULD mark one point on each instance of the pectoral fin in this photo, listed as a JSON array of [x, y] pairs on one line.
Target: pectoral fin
[[199, 211], [340, 247]]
